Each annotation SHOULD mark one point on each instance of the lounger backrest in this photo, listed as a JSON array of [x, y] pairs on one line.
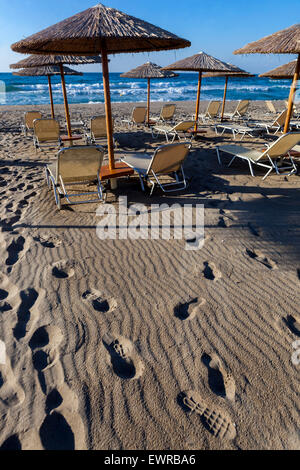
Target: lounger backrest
[[271, 106], [30, 116], [242, 107], [169, 158], [167, 111], [183, 126], [280, 120], [213, 108], [282, 145], [98, 126], [139, 114], [79, 163], [46, 129]]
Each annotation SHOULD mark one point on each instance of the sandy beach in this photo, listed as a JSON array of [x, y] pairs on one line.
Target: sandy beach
[[216, 327]]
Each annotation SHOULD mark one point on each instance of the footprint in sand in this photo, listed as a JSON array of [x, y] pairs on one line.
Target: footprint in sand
[[217, 422], [4, 305], [27, 312], [45, 355], [7, 224], [11, 443], [220, 381], [210, 272], [254, 229], [293, 324], [99, 302], [261, 258], [62, 427], [63, 269], [48, 242], [60, 398], [14, 250], [188, 310], [11, 393], [62, 430], [124, 359]]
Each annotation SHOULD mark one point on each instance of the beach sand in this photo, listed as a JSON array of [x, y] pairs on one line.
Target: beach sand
[[142, 344]]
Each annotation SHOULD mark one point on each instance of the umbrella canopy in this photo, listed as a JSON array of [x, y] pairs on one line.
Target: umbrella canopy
[[239, 74], [285, 41], [48, 71], [88, 31], [45, 71], [101, 30], [49, 60], [149, 71], [34, 61], [200, 63], [285, 71]]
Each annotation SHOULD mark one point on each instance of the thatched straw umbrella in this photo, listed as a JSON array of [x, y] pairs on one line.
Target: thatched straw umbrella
[[240, 74], [59, 60], [283, 72], [286, 41], [101, 30], [149, 71], [48, 71], [200, 63]]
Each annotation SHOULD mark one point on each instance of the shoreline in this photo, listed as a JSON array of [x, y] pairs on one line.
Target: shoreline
[[134, 103]]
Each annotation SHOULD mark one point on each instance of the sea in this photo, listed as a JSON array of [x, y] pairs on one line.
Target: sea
[[88, 88]]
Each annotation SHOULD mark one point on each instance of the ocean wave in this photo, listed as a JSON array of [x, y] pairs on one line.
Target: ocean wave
[[89, 89]]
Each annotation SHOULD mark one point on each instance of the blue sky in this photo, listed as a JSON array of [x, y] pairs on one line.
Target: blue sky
[[217, 27]]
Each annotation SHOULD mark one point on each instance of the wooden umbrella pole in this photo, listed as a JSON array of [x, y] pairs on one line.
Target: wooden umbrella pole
[[108, 114], [224, 99], [148, 103], [51, 97], [291, 97], [63, 84], [198, 101]]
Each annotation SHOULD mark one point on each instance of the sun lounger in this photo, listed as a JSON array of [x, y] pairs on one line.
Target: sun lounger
[[75, 165], [46, 133], [271, 158], [97, 132], [138, 116], [173, 131], [166, 114], [237, 130], [240, 112], [211, 112], [167, 160], [76, 124], [271, 107], [275, 126], [29, 117]]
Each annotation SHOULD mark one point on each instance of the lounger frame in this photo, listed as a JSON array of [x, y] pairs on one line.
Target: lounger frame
[[173, 132], [38, 143], [152, 177], [265, 157], [60, 186]]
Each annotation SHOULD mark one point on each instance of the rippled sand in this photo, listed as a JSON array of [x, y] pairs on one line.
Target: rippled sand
[[141, 344]]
